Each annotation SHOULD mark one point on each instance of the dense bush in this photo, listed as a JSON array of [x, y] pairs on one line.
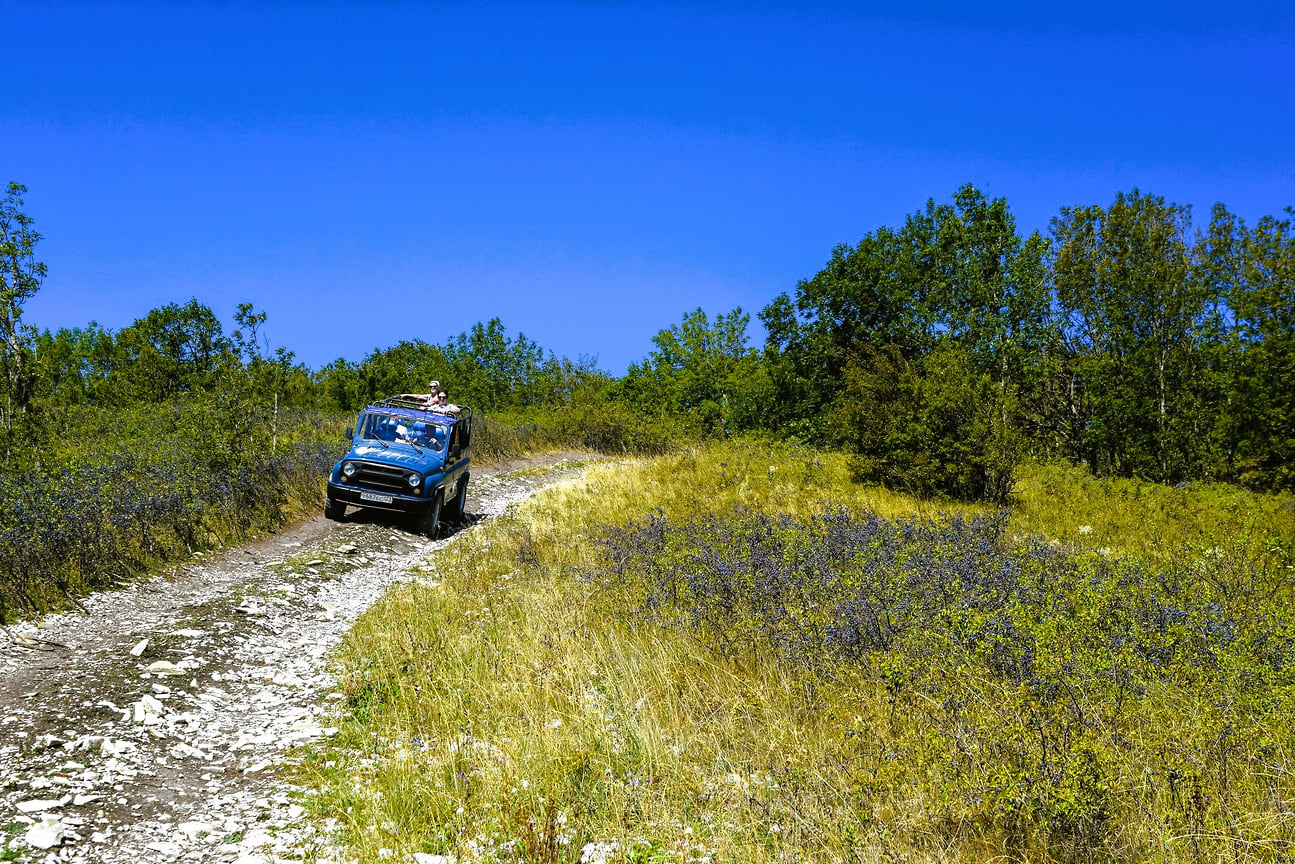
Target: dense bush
[[602, 428], [118, 492], [931, 427], [1062, 693]]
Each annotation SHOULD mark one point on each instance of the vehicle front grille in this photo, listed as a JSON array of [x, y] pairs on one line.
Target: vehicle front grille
[[373, 475]]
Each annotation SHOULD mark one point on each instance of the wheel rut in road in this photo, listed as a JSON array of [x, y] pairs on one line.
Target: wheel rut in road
[[152, 724]]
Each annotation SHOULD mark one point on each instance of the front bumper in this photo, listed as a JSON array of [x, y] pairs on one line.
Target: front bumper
[[384, 500]]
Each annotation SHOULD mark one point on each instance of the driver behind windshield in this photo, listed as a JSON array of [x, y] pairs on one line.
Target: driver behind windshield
[[421, 435]]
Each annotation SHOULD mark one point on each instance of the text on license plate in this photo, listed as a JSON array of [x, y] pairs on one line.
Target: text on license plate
[[374, 496]]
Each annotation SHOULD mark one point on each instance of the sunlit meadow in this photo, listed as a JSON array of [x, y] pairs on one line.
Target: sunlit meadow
[[737, 654]]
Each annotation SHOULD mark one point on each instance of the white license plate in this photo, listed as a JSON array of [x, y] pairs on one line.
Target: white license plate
[[374, 496]]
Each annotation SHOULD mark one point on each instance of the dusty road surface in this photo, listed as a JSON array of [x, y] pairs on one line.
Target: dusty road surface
[[153, 725]]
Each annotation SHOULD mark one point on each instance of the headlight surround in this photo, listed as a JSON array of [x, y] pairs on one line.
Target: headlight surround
[[348, 469], [414, 480]]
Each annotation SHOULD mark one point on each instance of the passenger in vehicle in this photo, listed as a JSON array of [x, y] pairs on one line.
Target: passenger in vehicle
[[437, 439], [444, 406], [428, 398], [385, 430]]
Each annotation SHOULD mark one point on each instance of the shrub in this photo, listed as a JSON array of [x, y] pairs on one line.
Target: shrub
[[933, 427], [1058, 690], [120, 491], [604, 427]]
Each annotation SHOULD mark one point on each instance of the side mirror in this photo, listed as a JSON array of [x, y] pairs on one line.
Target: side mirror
[[350, 431]]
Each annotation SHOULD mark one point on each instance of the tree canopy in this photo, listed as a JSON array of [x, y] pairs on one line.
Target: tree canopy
[[939, 352]]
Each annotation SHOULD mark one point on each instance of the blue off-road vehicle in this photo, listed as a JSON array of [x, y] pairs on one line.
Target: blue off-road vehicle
[[406, 459]]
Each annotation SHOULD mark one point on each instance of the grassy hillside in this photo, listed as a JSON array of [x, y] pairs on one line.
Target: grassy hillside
[[736, 654]]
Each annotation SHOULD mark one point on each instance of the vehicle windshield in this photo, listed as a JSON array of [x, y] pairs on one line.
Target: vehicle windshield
[[399, 427]]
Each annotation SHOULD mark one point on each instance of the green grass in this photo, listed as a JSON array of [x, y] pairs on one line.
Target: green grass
[[512, 708], [1134, 516], [11, 830]]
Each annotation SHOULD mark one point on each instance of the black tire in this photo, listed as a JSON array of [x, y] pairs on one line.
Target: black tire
[[429, 522], [454, 511], [334, 510]]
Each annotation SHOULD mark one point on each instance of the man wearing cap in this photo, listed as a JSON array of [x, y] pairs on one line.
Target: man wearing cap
[[428, 398]]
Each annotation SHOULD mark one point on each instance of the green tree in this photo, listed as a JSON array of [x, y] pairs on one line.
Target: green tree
[[563, 383], [340, 386], [271, 373], [867, 294], [173, 349], [491, 370], [74, 365], [20, 278], [702, 370], [483, 367], [934, 427], [1262, 299], [1218, 271], [988, 286], [405, 367], [954, 274], [1133, 320]]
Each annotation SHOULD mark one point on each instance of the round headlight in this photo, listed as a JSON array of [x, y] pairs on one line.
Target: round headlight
[[349, 469], [414, 480]]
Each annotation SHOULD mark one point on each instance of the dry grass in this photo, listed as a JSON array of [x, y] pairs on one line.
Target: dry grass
[[500, 708]]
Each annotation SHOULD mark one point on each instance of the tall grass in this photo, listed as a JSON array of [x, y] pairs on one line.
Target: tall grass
[[1065, 503], [653, 665], [600, 427], [112, 494], [102, 495]]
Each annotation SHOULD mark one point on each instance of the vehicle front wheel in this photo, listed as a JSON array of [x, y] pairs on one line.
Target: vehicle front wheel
[[431, 518], [334, 510]]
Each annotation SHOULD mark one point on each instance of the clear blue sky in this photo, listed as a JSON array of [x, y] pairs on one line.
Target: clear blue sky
[[588, 173]]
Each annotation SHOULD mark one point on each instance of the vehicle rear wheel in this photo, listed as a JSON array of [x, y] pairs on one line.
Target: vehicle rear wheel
[[454, 511], [334, 510], [430, 520]]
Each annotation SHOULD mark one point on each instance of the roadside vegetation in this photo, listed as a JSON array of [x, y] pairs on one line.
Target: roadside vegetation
[[123, 450], [111, 494], [738, 653], [114, 495], [986, 552], [941, 355]]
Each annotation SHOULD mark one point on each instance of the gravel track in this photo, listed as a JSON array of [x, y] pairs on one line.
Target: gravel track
[[152, 725]]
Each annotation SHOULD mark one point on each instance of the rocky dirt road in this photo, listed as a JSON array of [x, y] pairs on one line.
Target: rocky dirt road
[[153, 725]]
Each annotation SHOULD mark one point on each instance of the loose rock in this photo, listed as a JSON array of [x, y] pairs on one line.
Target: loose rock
[[179, 771], [168, 849], [45, 834]]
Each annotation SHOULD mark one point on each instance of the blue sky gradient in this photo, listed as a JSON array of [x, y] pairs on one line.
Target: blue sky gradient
[[588, 173]]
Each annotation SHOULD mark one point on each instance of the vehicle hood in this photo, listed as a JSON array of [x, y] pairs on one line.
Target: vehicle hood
[[397, 453]]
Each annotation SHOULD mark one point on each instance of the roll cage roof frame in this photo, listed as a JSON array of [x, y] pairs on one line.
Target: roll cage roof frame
[[418, 406]]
